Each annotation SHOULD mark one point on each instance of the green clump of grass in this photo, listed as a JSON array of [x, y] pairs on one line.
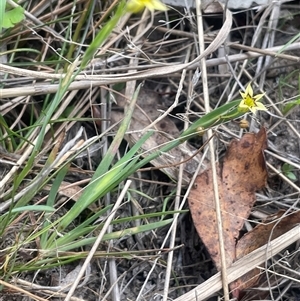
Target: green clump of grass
[[58, 235]]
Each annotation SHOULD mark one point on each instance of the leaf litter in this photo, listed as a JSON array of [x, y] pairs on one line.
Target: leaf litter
[[242, 173], [272, 227], [165, 130], [285, 143]]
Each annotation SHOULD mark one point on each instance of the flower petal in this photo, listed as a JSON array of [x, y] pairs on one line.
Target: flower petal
[[259, 96], [249, 90], [253, 110], [243, 94], [135, 6], [155, 5], [260, 106]]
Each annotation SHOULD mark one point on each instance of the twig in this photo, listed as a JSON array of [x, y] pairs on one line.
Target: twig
[[173, 236], [98, 241], [178, 93], [286, 179], [173, 225], [212, 156], [20, 290], [242, 266]]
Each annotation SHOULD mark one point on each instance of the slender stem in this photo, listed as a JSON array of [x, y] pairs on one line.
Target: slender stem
[[213, 159]]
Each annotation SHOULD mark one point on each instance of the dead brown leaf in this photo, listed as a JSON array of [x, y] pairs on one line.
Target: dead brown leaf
[[243, 172], [271, 228]]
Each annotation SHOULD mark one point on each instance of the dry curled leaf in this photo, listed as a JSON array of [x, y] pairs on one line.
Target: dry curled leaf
[[243, 172], [269, 229]]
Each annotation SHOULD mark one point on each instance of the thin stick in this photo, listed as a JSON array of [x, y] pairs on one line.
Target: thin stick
[[242, 266], [98, 241], [178, 93], [173, 235], [171, 227], [212, 155], [98, 80], [20, 290]]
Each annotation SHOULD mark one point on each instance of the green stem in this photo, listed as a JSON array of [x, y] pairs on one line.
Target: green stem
[[209, 120], [77, 31], [103, 35]]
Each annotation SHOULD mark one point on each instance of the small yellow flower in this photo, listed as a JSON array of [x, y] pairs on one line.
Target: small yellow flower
[[134, 6], [250, 102]]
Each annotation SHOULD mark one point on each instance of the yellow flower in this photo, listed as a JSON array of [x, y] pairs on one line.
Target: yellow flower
[[134, 6], [250, 102]]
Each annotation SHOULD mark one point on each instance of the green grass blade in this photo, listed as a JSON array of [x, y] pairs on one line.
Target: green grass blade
[[211, 119], [100, 179], [115, 235], [64, 84], [51, 200], [102, 35], [72, 235], [39, 208]]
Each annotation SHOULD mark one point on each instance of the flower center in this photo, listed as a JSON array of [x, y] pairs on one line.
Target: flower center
[[249, 101]]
